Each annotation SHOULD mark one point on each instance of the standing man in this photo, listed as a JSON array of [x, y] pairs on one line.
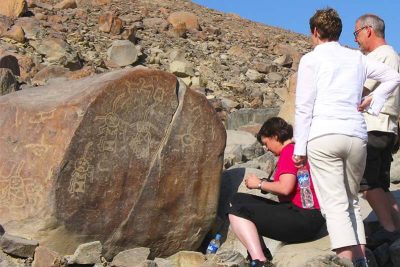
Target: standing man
[[382, 130]]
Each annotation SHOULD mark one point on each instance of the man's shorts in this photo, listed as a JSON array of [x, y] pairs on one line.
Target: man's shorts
[[379, 159]]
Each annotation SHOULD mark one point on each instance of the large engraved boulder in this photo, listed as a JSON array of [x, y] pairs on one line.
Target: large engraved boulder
[[130, 158]]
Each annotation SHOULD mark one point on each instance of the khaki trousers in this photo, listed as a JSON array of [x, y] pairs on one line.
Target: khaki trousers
[[337, 165]]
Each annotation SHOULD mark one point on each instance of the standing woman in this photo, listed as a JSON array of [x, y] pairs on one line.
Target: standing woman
[[330, 129]]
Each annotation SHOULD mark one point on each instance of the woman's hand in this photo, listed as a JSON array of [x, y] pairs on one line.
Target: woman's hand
[[252, 181], [299, 161], [365, 103]]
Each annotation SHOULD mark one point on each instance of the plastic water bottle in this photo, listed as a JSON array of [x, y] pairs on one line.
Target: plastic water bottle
[[303, 177], [214, 245]]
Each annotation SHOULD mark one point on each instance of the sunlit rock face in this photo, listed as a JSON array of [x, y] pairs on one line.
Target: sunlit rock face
[[129, 158]]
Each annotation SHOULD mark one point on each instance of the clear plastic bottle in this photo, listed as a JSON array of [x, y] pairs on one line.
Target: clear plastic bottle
[[214, 245], [303, 177]]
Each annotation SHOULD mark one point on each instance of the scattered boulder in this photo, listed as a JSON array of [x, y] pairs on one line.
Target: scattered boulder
[[252, 128], [265, 67], [66, 4], [274, 77], [16, 33], [177, 55], [45, 257], [282, 93], [155, 23], [31, 27], [5, 24], [232, 155], [48, 73], [228, 258], [246, 116], [57, 51], [291, 55], [108, 22], [228, 103], [178, 31], [88, 253], [324, 261], [255, 76], [91, 3], [18, 246], [26, 68], [13, 8], [311, 254], [239, 52], [131, 258], [284, 61], [162, 262], [181, 68], [241, 138], [187, 258], [188, 19], [8, 83], [122, 53], [129, 33], [7, 261], [82, 73], [9, 62]]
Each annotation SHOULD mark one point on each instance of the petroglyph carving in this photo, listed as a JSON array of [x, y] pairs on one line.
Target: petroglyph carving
[[83, 170], [104, 165], [140, 144], [158, 96], [17, 191], [113, 131], [42, 116], [16, 119], [80, 112], [149, 93], [12, 188], [39, 149], [188, 140], [49, 175], [112, 127]]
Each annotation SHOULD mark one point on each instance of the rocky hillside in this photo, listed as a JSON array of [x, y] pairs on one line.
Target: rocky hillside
[[237, 63]]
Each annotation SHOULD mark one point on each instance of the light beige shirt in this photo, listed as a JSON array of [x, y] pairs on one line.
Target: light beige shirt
[[386, 121]]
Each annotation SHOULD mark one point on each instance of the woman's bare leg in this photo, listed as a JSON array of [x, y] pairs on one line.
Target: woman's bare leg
[[247, 233]]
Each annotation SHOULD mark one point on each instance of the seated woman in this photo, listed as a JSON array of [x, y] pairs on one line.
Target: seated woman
[[287, 220]]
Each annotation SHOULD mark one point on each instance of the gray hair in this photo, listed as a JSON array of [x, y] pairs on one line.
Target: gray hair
[[374, 22]]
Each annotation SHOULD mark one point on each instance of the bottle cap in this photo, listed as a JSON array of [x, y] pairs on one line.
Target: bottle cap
[[218, 236]]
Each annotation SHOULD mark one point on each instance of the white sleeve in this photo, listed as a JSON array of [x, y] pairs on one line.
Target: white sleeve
[[305, 97], [389, 79]]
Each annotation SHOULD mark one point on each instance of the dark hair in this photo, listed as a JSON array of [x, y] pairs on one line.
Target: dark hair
[[278, 127], [374, 22], [328, 24]]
